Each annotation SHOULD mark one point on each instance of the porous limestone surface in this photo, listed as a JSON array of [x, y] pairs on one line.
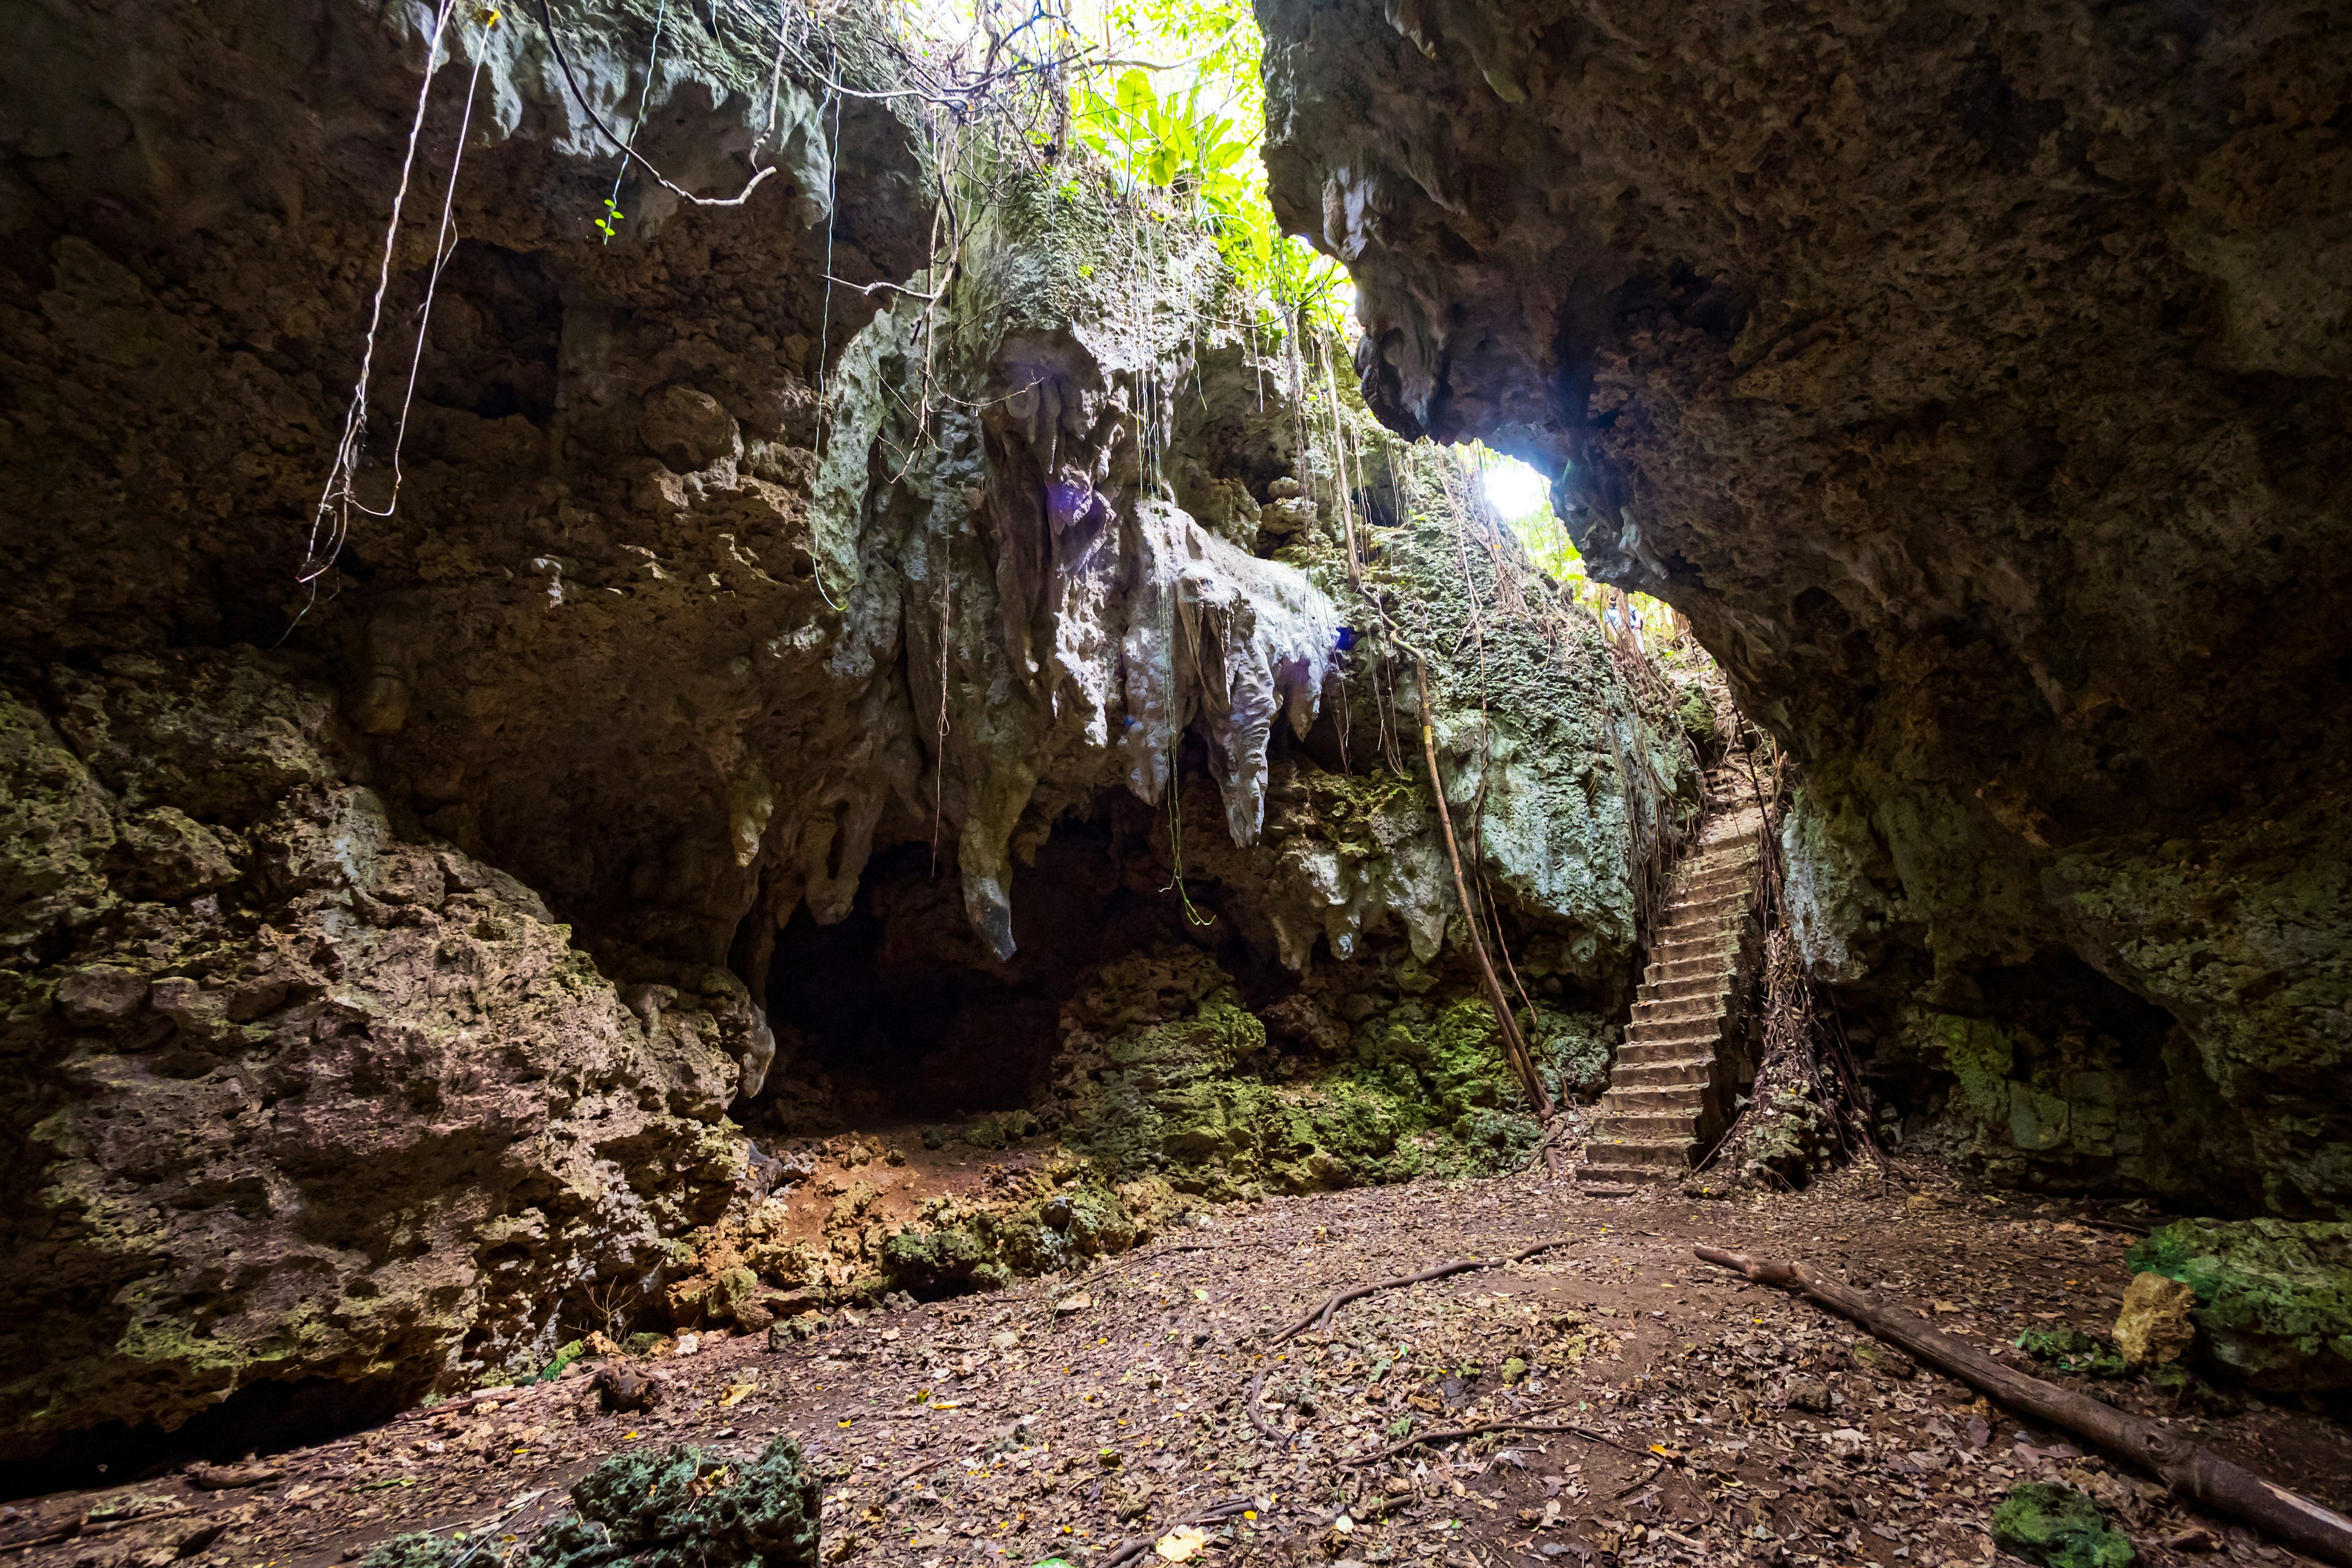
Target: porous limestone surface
[[313, 1094], [721, 563], [1939, 365]]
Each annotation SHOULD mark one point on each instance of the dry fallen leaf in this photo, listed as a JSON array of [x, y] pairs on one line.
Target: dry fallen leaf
[[736, 1393], [1179, 1543]]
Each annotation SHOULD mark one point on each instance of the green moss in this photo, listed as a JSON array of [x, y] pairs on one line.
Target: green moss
[[1695, 713], [563, 1358], [2058, 1527], [680, 1509], [1981, 1057], [2275, 1298], [2071, 1349], [422, 1549]]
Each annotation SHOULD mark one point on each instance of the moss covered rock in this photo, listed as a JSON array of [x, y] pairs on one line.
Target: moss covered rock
[[2069, 1349], [677, 1509], [2058, 1527], [2275, 1298]]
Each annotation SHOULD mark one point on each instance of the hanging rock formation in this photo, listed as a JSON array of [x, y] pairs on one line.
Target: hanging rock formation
[[1975, 381], [387, 965]]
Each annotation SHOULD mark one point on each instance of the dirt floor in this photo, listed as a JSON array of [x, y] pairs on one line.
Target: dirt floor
[[1072, 1414]]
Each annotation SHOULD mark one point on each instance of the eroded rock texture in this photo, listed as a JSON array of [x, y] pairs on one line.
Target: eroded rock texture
[[1975, 378], [387, 966], [305, 1081], [303, 1095]]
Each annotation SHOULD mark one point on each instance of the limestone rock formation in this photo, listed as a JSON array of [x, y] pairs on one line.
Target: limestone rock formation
[[2273, 1298], [1974, 381], [304, 1092], [382, 996]]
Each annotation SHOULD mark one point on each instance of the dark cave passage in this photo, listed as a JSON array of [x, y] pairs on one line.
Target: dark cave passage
[[259, 1418], [909, 1015]]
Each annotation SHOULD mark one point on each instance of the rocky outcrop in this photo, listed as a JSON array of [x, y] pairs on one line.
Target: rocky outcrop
[[2274, 1300], [301, 1092], [383, 994], [307, 1081], [1973, 381]]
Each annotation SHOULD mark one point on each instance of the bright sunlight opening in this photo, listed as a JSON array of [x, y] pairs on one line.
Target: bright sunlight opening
[[1514, 490]]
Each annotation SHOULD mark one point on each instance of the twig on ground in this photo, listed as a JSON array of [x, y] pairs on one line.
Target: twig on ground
[[1321, 1317], [2190, 1469], [1453, 1434]]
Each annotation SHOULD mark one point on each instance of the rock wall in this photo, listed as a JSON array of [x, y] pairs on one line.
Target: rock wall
[[306, 1081], [1974, 379], [388, 958], [295, 1092]]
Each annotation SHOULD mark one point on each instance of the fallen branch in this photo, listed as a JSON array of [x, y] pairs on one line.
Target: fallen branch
[[2190, 1469], [1454, 1434], [1321, 1317]]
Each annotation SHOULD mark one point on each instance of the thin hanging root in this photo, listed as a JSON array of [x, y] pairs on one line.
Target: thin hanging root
[[2192, 1470], [331, 522], [629, 154], [1514, 1046]]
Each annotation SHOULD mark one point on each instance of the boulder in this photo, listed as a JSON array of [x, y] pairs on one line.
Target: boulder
[[2154, 1327]]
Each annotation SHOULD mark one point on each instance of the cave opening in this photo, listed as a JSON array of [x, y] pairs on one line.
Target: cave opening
[[259, 1418], [909, 1017]]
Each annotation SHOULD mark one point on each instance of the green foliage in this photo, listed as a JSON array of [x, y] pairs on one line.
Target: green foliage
[[2058, 1527], [2072, 1350], [1197, 138]]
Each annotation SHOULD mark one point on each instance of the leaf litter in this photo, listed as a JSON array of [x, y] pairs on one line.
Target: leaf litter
[[1624, 1405]]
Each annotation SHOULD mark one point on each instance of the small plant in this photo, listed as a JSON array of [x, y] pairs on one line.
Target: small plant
[[610, 224]]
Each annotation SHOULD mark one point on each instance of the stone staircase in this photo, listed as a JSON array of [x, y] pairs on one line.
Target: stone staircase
[[1686, 1054]]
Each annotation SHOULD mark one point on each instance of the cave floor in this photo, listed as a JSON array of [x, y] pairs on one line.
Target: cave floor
[[1069, 1414]]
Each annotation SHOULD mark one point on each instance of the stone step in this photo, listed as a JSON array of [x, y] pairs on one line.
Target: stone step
[[1662, 1070], [1691, 988], [1730, 872], [1668, 1060], [1692, 968], [1652, 1022], [1649, 1126], [1630, 1099], [1678, 1037], [1674, 1010], [1665, 1045], [1724, 905], [1673, 944], [1638, 1153]]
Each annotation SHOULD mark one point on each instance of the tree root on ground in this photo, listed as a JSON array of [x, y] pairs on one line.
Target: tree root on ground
[[1321, 1317]]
